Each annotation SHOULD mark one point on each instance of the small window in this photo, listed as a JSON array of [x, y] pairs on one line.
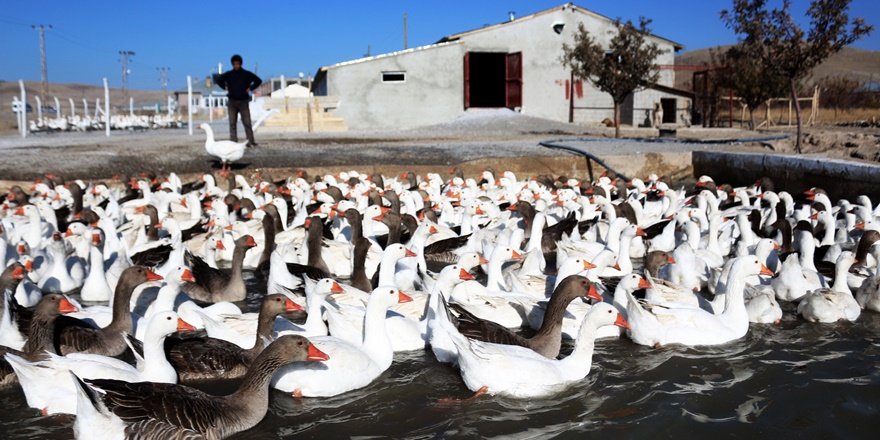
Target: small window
[[393, 77]]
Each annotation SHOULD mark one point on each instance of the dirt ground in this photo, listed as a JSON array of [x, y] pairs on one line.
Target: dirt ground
[[501, 140]]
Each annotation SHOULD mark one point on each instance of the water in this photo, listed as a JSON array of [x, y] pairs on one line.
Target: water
[[796, 379]]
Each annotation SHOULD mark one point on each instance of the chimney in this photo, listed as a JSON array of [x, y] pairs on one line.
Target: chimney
[[511, 15]]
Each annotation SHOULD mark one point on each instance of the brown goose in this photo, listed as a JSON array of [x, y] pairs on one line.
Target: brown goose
[[73, 335], [210, 358], [359, 278], [314, 237], [145, 410], [213, 285], [548, 340], [42, 329]]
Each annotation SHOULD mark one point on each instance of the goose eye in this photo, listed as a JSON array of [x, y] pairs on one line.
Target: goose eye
[[168, 318], [391, 291], [609, 311], [299, 343]]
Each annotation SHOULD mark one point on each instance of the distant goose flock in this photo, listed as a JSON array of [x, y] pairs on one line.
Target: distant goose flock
[[116, 295], [117, 122]]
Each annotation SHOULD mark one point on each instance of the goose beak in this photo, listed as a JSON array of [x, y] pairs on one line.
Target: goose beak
[[766, 271], [593, 294], [68, 233], [316, 355], [777, 247], [588, 265], [641, 232], [616, 266], [18, 273], [479, 211], [183, 326], [250, 242], [860, 226], [483, 260], [96, 239], [19, 211], [220, 246], [433, 230], [670, 260], [187, 276], [814, 216], [465, 275], [410, 253], [516, 255], [644, 284], [29, 265], [153, 276], [336, 288], [65, 306], [402, 297], [620, 322], [511, 208], [290, 306]]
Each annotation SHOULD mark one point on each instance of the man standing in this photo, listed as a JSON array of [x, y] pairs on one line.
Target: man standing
[[238, 84]]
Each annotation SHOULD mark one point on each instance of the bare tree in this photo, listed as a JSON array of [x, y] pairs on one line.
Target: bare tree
[[793, 51], [839, 92], [750, 74], [624, 68]]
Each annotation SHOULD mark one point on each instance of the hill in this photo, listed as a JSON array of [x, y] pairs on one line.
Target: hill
[[857, 64]]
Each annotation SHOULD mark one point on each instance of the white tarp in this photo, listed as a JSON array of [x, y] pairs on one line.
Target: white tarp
[[292, 91]]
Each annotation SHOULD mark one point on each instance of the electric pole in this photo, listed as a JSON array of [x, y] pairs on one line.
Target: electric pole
[[404, 31], [44, 70], [124, 58], [163, 79]]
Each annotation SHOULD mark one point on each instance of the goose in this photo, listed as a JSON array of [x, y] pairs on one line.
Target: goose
[[213, 285], [95, 287], [658, 325], [835, 303], [109, 409], [74, 335], [763, 308], [46, 382], [198, 358], [548, 340], [350, 366], [226, 151], [58, 278], [868, 294], [521, 373]]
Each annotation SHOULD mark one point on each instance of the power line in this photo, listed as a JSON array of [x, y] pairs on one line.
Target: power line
[[124, 57], [44, 71]]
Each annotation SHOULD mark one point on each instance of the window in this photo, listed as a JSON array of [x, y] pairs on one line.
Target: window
[[393, 77]]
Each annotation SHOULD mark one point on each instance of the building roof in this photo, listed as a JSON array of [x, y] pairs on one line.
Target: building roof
[[572, 6]]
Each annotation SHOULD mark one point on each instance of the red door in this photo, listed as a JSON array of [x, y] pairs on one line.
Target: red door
[[513, 80], [467, 80]]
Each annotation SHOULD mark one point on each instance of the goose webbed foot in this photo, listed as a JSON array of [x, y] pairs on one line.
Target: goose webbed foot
[[451, 401]]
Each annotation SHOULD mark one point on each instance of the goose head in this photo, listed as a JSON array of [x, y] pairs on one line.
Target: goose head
[[278, 304], [388, 296], [165, 323], [603, 314], [633, 282]]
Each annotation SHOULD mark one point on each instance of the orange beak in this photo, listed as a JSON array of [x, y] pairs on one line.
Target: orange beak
[[336, 288], [18, 273], [433, 230], [860, 226], [65, 306], [593, 294], [220, 245], [19, 211], [153, 276], [620, 322], [766, 271], [402, 297], [511, 208], [479, 211], [183, 326], [187, 276], [250, 241], [68, 233], [588, 265], [29, 265], [139, 209], [670, 260], [641, 232], [316, 355], [644, 284], [616, 266], [777, 247], [483, 260], [96, 239], [290, 306], [516, 255], [814, 216], [410, 253], [465, 275]]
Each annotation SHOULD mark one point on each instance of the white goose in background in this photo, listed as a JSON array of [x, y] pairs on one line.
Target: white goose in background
[[835, 303], [95, 287], [48, 386], [226, 151], [693, 326], [58, 278], [522, 373], [356, 366]]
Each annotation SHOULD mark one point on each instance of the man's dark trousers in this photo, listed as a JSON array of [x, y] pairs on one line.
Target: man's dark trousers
[[236, 107]]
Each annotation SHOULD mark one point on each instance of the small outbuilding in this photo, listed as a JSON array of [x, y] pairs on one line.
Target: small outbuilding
[[515, 64]]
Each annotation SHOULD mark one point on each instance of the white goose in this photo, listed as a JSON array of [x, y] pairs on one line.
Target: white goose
[[835, 303], [693, 326], [226, 151], [355, 366], [519, 372], [868, 294]]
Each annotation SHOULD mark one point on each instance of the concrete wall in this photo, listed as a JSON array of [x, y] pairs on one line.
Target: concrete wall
[[434, 90], [795, 174]]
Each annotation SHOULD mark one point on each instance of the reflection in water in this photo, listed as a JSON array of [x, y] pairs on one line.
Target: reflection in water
[[796, 379]]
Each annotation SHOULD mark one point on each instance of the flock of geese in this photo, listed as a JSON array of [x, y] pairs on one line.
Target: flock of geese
[[490, 274], [117, 122]]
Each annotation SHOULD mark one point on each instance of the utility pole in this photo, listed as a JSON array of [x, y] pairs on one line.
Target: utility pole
[[404, 31], [124, 58], [163, 79], [44, 70]]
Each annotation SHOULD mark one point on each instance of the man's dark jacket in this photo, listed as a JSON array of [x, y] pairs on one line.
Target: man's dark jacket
[[238, 82]]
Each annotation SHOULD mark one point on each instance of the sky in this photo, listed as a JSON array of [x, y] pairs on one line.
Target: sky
[[287, 37]]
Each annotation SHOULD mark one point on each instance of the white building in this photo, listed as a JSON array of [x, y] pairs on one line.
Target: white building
[[516, 64]]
